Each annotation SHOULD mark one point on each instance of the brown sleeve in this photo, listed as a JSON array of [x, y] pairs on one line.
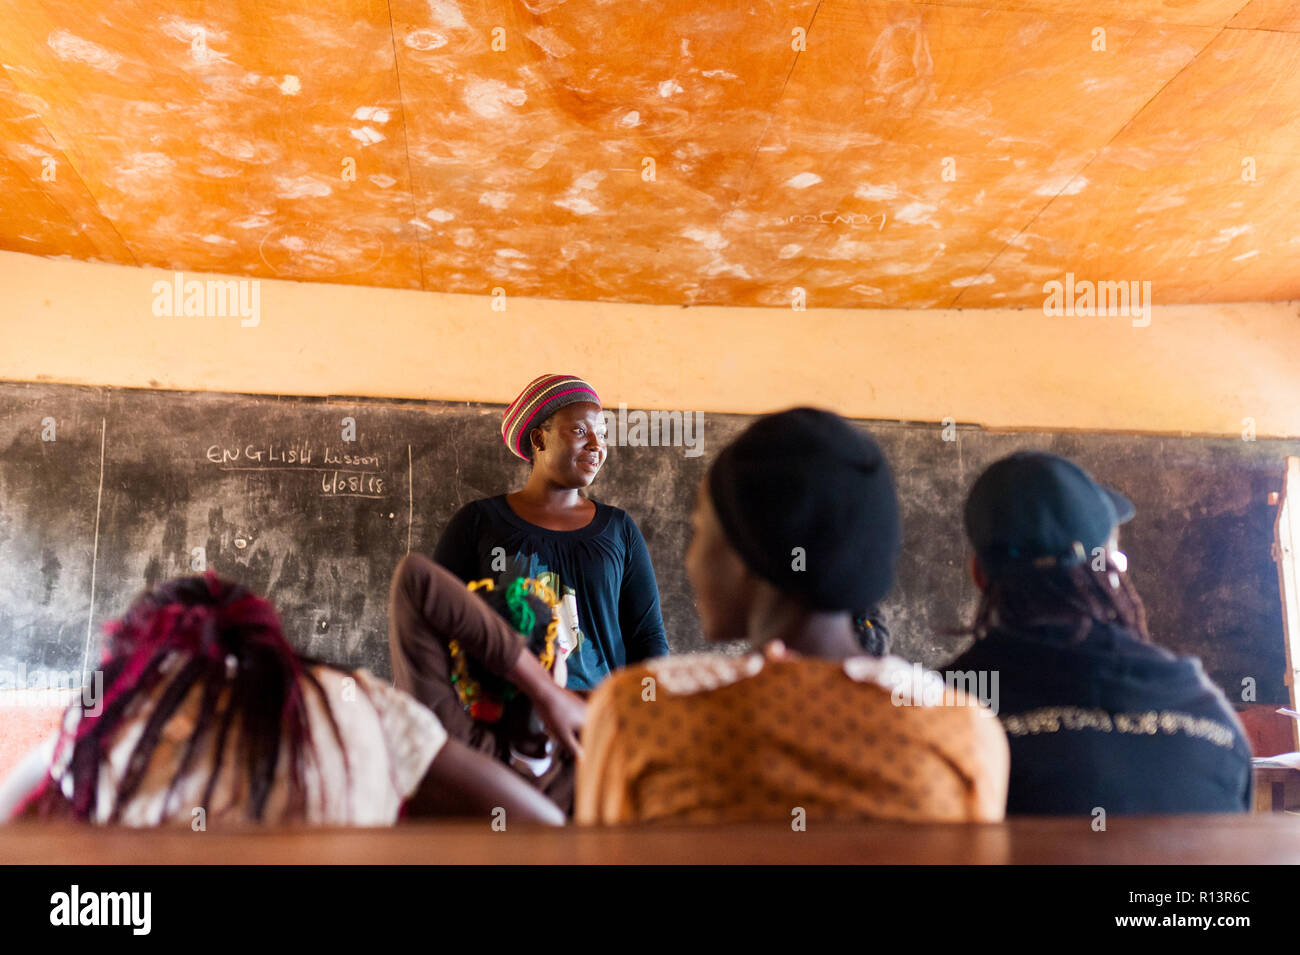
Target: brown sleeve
[[429, 607]]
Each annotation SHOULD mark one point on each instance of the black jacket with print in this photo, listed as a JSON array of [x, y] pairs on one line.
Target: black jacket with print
[[1110, 722]]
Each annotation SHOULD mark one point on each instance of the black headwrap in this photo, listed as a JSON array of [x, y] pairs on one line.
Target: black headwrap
[[808, 501]]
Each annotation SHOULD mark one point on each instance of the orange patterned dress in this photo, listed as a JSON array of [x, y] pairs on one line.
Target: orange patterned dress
[[712, 738]]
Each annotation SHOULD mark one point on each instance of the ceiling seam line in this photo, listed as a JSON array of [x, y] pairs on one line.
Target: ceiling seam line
[[94, 199], [1129, 122], [758, 144], [406, 143]]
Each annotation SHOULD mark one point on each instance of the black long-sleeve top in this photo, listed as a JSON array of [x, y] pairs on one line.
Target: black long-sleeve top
[[605, 565]]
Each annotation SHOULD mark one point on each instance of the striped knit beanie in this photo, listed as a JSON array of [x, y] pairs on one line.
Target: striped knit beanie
[[542, 398]]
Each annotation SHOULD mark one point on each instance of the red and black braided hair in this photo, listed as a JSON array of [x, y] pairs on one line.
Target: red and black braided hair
[[216, 637]]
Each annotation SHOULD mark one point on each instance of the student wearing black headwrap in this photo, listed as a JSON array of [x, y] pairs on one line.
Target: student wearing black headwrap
[[796, 528]]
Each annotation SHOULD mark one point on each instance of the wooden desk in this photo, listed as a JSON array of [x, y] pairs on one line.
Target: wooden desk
[[1181, 840], [1277, 788]]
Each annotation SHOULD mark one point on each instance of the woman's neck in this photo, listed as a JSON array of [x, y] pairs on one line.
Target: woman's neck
[[809, 633], [552, 507], [542, 493]]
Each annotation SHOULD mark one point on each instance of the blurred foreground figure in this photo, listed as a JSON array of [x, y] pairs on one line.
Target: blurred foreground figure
[[208, 714], [796, 529]]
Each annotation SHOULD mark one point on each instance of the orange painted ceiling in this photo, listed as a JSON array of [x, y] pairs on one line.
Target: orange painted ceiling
[[915, 155]]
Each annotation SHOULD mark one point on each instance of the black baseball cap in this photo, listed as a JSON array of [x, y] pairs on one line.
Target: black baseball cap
[[1037, 508]]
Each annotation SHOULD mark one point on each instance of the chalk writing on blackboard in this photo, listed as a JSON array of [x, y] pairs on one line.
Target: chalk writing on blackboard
[[352, 484], [340, 477]]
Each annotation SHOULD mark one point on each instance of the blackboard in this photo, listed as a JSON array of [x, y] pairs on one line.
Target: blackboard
[[104, 492]]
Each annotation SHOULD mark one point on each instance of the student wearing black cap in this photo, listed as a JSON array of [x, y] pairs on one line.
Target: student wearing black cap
[[796, 528], [1097, 717]]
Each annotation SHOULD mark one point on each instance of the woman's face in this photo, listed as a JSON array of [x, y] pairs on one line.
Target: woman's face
[[717, 574], [573, 445]]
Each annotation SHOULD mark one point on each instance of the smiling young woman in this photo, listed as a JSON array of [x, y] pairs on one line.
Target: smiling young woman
[[592, 555]]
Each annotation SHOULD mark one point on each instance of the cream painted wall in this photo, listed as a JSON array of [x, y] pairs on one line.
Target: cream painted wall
[[1193, 369]]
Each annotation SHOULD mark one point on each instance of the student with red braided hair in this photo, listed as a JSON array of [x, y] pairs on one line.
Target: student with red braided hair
[[207, 707]]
